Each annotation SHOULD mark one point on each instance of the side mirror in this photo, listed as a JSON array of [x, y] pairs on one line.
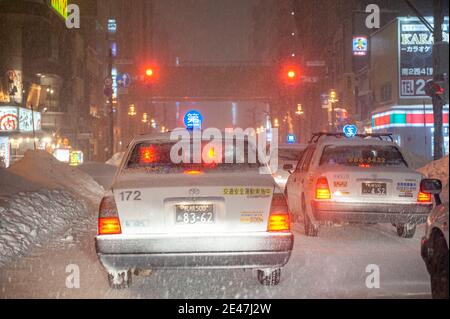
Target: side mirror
[[433, 187], [288, 167]]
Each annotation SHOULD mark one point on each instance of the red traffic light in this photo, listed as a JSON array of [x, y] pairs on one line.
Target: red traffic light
[[290, 75], [149, 72]]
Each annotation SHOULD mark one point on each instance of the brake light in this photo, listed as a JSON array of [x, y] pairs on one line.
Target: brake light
[[364, 165], [148, 154], [279, 214], [322, 188], [108, 217], [424, 197], [193, 172], [109, 226]]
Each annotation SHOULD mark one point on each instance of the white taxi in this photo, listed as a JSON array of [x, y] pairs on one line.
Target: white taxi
[[363, 179], [161, 214]]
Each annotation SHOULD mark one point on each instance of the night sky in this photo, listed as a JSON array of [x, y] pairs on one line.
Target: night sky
[[206, 31]]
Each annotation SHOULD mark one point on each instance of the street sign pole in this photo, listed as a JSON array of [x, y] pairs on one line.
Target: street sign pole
[[110, 109], [437, 101]]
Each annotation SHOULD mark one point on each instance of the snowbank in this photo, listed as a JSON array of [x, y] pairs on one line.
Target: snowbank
[[39, 198], [42, 168], [32, 218], [116, 159], [438, 169]]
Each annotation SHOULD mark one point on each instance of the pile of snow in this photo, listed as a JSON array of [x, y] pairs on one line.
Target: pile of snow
[[40, 198], [116, 159], [42, 168], [32, 218], [438, 169]]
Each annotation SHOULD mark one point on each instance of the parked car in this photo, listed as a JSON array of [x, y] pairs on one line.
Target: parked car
[[434, 247], [363, 179], [287, 154]]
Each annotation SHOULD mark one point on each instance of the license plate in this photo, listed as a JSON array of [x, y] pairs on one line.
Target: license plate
[[195, 214], [374, 189]]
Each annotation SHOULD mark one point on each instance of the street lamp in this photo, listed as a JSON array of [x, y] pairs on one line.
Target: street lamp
[[333, 99]]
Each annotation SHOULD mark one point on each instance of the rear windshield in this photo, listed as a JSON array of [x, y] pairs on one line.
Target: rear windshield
[[362, 155], [158, 157]]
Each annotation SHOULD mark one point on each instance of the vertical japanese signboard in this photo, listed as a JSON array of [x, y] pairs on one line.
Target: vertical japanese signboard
[[416, 56], [60, 6]]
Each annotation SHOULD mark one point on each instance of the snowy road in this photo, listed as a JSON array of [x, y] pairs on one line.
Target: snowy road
[[330, 266]]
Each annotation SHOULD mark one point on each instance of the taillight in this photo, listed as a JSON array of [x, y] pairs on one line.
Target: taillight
[[108, 217], [322, 188], [193, 172], [279, 214], [424, 197]]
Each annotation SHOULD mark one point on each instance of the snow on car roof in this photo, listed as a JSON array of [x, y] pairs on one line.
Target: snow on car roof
[[164, 136], [354, 141]]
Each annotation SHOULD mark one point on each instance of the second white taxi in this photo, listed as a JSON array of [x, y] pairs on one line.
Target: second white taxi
[[362, 179]]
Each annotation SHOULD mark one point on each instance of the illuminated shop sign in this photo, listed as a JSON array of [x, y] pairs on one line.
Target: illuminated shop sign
[[60, 6], [411, 117], [4, 152], [360, 46], [416, 56], [13, 119]]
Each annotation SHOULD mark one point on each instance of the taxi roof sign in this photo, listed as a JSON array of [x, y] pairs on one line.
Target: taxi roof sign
[[193, 120], [350, 130]]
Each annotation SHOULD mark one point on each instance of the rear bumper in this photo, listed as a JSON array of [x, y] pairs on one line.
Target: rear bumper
[[371, 212], [260, 250]]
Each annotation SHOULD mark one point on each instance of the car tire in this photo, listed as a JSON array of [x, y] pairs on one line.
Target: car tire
[[311, 230], [439, 268], [271, 279], [406, 230], [120, 280]]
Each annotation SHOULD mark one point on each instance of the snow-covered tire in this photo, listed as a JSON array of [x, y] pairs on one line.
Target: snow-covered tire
[[406, 230], [311, 230], [269, 279], [439, 268], [120, 279]]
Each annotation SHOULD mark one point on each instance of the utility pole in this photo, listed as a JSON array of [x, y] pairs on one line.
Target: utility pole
[[110, 108], [438, 8]]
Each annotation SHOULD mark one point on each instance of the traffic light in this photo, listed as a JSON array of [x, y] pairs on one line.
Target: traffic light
[[149, 73], [290, 75]]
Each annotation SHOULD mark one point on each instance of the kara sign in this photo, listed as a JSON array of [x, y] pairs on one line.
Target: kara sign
[[416, 56]]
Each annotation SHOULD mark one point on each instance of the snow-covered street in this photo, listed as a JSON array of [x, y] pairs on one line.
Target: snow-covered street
[[330, 266], [333, 265]]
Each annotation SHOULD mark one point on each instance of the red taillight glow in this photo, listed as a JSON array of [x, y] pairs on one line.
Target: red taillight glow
[[109, 226], [108, 218], [148, 154], [322, 188], [424, 197], [364, 165], [279, 222], [193, 172], [279, 214]]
